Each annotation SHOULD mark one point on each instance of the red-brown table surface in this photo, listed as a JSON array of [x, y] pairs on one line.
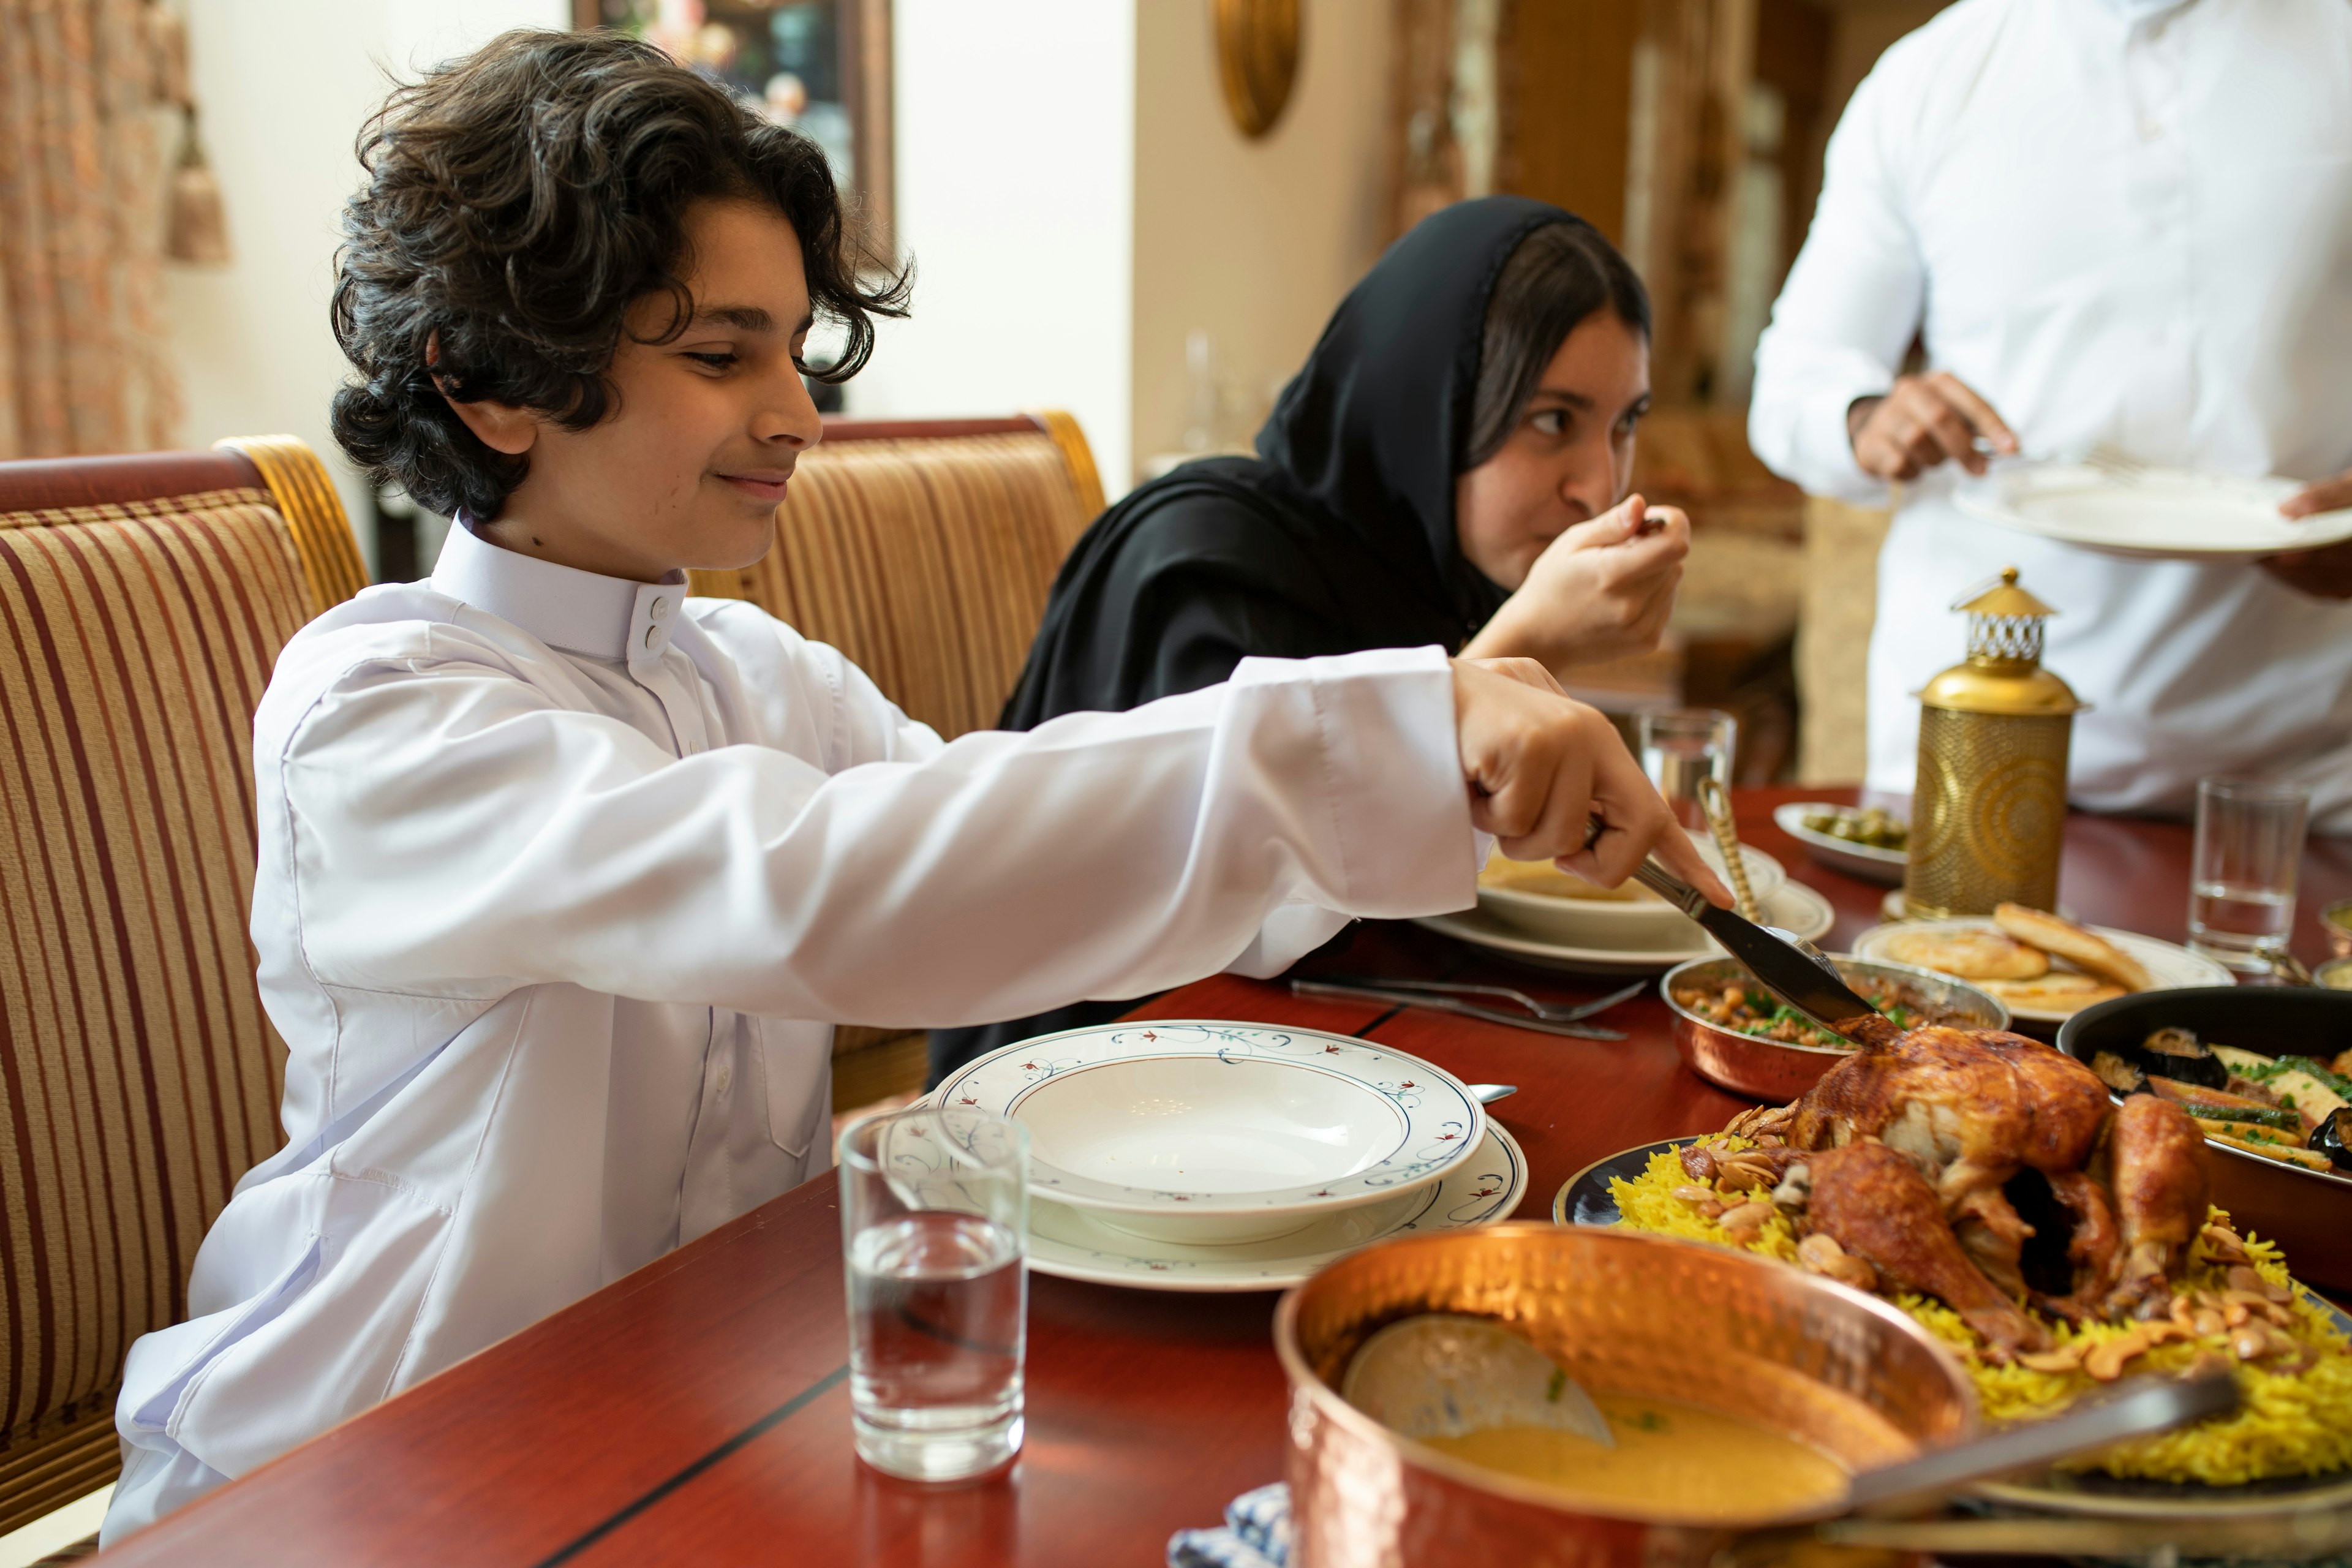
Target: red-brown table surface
[[697, 1410]]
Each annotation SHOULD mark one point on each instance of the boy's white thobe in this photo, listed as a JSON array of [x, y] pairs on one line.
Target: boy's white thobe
[[558, 873]]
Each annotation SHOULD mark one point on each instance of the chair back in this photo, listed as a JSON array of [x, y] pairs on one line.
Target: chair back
[[142, 603], [924, 551]]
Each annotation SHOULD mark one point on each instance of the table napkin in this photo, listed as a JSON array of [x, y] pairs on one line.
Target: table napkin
[[1256, 1534]]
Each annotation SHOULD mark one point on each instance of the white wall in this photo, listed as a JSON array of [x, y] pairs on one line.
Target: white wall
[[283, 86], [1252, 241], [1015, 132]]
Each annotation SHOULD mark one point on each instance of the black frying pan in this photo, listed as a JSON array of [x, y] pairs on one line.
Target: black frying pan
[[2307, 1213]]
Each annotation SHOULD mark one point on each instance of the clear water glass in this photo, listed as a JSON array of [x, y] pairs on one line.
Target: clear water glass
[[1680, 748], [934, 1226], [2242, 879]]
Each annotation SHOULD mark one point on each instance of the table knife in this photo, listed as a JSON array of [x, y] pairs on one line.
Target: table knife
[[1786, 964]]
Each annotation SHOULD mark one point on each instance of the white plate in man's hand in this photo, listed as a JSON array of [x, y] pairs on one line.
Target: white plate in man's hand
[[2170, 513]]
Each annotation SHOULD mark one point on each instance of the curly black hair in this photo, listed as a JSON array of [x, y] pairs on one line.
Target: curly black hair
[[518, 201]]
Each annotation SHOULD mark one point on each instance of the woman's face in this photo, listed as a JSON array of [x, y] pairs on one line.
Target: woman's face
[[1569, 458]]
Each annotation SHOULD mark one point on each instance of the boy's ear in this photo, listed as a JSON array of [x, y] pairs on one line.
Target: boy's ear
[[500, 426]]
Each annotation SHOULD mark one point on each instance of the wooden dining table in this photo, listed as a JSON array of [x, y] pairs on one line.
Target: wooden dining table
[[697, 1410]]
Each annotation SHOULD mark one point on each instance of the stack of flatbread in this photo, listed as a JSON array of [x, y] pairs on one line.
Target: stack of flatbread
[[2021, 962]]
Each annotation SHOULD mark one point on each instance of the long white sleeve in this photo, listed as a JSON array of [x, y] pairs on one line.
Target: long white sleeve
[[1847, 313], [456, 833]]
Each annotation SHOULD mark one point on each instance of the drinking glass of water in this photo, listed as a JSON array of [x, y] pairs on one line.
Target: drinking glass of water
[[2242, 881], [934, 1217], [1680, 748]]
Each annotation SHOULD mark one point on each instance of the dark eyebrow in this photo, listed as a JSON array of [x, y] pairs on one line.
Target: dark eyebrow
[[743, 318], [1575, 400]]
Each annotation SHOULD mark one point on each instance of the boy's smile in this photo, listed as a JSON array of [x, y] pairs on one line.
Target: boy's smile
[[688, 469]]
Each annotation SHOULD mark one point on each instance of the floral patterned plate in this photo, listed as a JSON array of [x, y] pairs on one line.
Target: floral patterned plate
[[1197, 1131], [1481, 1190]]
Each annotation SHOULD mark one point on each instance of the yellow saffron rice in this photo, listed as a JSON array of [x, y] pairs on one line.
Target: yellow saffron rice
[[2290, 1424]]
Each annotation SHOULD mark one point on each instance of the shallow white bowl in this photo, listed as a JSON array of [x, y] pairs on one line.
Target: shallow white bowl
[[1870, 862], [1480, 1190], [1645, 922], [1212, 1132], [1795, 908]]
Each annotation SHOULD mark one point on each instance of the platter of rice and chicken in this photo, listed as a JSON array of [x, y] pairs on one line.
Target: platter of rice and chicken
[[2056, 1235]]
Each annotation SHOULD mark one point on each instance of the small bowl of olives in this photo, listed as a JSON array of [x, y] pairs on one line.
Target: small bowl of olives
[[1868, 842]]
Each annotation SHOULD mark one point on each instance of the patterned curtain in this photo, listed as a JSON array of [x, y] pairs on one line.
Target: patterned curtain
[[83, 365]]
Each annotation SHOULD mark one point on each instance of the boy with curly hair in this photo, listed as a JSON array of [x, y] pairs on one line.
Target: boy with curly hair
[[564, 876]]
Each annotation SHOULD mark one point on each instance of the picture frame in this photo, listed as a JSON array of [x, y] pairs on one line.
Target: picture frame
[[822, 66]]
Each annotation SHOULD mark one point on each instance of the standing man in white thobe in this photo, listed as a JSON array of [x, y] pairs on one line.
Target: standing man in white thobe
[[2119, 221]]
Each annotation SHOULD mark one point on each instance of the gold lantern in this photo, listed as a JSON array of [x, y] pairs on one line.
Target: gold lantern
[[1989, 812]]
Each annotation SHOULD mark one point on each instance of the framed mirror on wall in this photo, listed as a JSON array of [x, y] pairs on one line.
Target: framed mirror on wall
[[822, 66]]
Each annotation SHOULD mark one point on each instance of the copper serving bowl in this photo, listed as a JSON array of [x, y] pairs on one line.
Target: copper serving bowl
[[1623, 1312], [1775, 1071]]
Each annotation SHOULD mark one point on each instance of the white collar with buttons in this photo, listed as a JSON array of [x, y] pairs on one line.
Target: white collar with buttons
[[562, 606]]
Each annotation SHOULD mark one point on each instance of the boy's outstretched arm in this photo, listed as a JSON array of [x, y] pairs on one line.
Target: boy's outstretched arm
[[456, 833]]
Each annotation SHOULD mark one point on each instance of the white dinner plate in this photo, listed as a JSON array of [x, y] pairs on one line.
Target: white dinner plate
[[1200, 1130], [1795, 908], [1073, 1244], [2170, 966], [1644, 922], [2173, 513], [1867, 861]]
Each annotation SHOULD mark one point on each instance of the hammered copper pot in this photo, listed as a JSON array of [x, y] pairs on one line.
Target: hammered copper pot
[[1776, 1072], [1623, 1312]]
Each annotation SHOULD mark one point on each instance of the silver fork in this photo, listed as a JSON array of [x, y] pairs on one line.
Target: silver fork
[[1550, 1012], [1439, 1002], [2116, 464], [2105, 457]]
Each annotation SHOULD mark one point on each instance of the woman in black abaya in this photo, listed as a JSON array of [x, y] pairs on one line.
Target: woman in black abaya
[[1450, 467]]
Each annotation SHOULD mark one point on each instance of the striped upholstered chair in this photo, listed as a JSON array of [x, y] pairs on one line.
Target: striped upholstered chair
[[924, 551], [143, 601]]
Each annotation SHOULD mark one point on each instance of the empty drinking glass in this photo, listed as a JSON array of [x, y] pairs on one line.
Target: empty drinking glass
[[1680, 748], [2242, 881], [934, 1217]]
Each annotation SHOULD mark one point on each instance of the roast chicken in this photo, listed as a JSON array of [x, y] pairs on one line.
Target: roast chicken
[[1917, 1153]]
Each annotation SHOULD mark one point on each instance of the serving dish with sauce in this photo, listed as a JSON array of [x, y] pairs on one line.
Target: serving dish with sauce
[[1695, 1353]]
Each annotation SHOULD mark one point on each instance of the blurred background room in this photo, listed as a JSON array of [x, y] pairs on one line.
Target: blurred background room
[[1138, 211]]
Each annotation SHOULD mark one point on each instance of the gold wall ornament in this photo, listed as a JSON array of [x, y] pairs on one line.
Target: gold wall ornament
[[1257, 60], [1988, 809]]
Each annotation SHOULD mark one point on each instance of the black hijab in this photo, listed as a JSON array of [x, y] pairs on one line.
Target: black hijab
[[1338, 536]]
